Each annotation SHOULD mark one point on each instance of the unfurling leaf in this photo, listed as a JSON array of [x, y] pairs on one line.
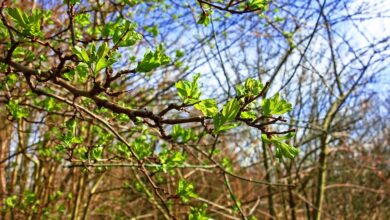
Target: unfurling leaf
[[204, 19], [231, 109], [183, 135], [282, 149], [208, 107], [16, 110], [185, 190], [189, 91], [153, 60], [275, 106], [81, 53]]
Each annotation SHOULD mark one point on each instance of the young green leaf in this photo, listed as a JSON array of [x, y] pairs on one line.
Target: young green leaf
[[169, 159], [275, 106], [183, 88], [282, 149], [218, 120], [71, 126], [153, 60], [142, 147], [185, 190], [11, 201], [231, 109], [227, 164], [123, 149], [153, 30], [81, 152], [82, 72], [123, 32], [101, 55], [81, 53], [199, 213], [253, 87], [28, 24], [183, 135], [189, 91], [18, 16], [222, 121], [260, 4], [208, 107], [227, 126], [16, 110], [248, 115], [97, 152], [50, 104], [204, 19]]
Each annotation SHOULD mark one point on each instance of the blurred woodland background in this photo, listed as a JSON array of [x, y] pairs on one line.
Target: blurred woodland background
[[68, 134]]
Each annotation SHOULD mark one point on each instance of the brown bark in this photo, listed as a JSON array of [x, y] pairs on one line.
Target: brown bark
[[5, 140]]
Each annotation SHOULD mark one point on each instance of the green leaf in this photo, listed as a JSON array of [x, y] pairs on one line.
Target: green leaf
[[29, 197], [204, 19], [70, 138], [227, 126], [208, 107], [183, 135], [123, 32], [101, 64], [123, 149], [253, 87], [227, 164], [287, 150], [81, 53], [170, 159], [82, 72], [71, 126], [195, 93], [218, 121], [12, 79], [94, 60], [248, 115], [18, 15], [97, 152], [189, 91], [258, 4], [103, 50], [123, 118], [221, 122], [179, 54], [16, 110], [69, 75], [231, 109], [199, 213], [28, 24], [60, 148], [282, 149], [153, 30], [183, 89], [81, 152], [240, 90], [284, 137], [275, 106], [11, 201], [152, 60], [83, 19], [185, 190], [50, 104], [142, 147]]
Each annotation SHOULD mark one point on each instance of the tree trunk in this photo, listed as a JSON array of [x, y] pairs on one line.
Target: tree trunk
[[321, 177], [5, 140], [268, 178]]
